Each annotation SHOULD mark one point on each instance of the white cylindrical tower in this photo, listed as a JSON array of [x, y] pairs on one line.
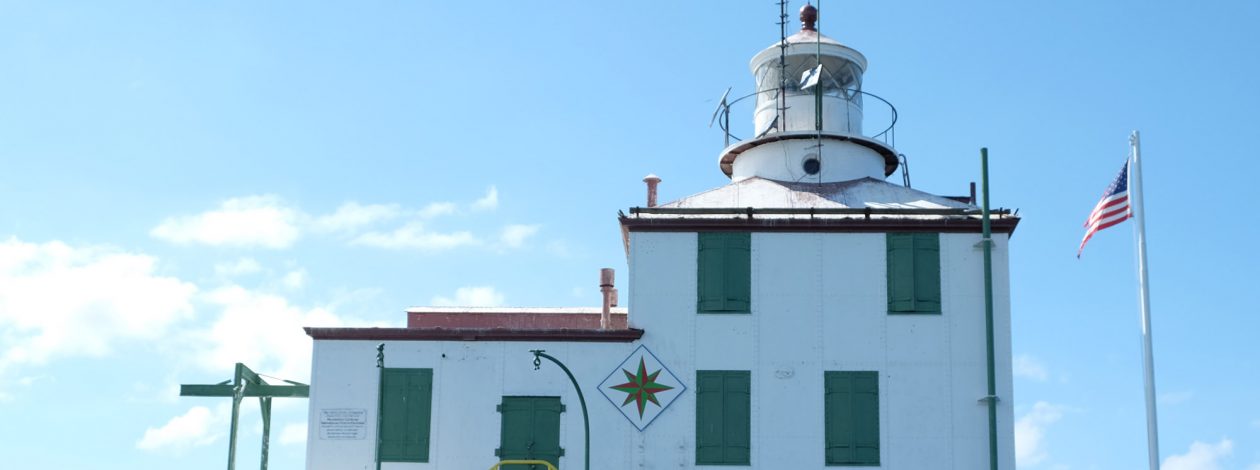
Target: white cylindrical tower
[[800, 135]]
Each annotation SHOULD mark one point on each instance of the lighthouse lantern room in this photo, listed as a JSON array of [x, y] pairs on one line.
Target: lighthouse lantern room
[[808, 114]]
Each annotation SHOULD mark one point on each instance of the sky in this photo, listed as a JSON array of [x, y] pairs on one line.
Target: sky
[[183, 185]]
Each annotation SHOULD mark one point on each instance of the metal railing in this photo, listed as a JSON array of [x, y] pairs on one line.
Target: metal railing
[[524, 462], [887, 135]]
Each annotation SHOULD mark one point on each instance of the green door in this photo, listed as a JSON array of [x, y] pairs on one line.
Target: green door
[[530, 431]]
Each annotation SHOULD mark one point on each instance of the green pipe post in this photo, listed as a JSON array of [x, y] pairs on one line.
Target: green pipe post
[[380, 398], [586, 421], [236, 411], [264, 403], [987, 241]]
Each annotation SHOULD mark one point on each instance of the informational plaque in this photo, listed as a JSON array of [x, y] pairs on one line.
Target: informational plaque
[[342, 423]]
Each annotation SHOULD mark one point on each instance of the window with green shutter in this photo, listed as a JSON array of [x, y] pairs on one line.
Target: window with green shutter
[[723, 422], [851, 410], [724, 272], [914, 273], [405, 409], [530, 431]]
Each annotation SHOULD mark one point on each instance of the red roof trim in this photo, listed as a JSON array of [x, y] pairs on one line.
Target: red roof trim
[[512, 321], [474, 334]]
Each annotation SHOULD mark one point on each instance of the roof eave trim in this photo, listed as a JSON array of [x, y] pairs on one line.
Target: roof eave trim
[[859, 225]]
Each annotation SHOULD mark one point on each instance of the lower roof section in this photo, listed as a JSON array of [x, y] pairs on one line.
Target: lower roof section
[[612, 335]]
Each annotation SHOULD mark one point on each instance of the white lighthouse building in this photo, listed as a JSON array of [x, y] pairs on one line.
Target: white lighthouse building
[[808, 314]]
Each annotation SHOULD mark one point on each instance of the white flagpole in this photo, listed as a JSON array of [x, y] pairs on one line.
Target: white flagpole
[[1144, 299]]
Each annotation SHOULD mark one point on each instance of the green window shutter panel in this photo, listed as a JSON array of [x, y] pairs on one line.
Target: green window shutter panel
[[736, 411], [866, 416], [914, 272], [723, 418], [405, 414], [851, 414], [838, 427], [738, 271], [724, 272], [530, 430], [711, 297], [901, 272], [708, 417], [927, 272]]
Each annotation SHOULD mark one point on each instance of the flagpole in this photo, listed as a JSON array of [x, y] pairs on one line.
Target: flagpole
[[1144, 300]]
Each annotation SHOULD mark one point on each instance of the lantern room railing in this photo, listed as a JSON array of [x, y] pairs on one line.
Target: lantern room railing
[[886, 114]]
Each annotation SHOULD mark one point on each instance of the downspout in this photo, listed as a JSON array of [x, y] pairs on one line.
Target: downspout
[[987, 242]]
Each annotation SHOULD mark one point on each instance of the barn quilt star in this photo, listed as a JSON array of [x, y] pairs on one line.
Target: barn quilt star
[[641, 387]]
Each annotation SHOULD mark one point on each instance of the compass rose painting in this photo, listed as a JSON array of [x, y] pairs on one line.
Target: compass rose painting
[[641, 387]]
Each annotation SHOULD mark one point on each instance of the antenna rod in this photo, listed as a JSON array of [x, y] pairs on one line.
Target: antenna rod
[[818, 88], [818, 93], [783, 16]]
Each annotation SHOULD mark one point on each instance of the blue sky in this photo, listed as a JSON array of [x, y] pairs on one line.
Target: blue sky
[[183, 185]]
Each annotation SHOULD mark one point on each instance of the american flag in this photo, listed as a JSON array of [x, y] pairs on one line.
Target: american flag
[[1111, 210]]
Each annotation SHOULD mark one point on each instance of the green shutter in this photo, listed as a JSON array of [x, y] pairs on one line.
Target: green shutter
[[405, 413], [900, 272], [712, 297], [927, 272], [723, 417], [724, 272], [738, 271], [851, 415], [530, 431], [866, 416], [914, 272]]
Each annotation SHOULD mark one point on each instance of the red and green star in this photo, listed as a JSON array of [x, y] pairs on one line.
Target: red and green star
[[641, 387]]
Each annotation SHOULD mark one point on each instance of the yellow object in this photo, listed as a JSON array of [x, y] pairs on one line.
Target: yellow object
[[524, 462]]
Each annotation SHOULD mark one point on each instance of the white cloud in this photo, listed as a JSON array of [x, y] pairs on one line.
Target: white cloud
[[294, 279], [352, 215], [489, 201], [195, 428], [1030, 433], [293, 434], [513, 236], [262, 330], [1028, 367], [437, 208], [1201, 456], [247, 221], [30, 380], [475, 296], [62, 301], [414, 236], [238, 268]]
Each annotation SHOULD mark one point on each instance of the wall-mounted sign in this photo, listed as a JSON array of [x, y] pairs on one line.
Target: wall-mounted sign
[[641, 387], [342, 423]]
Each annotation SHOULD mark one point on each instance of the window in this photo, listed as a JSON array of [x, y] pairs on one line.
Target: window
[[851, 410], [406, 405], [723, 423], [530, 431], [724, 272], [914, 273]]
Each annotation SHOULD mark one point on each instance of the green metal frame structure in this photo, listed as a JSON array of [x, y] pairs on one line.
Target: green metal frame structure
[[247, 383]]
